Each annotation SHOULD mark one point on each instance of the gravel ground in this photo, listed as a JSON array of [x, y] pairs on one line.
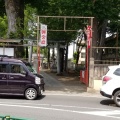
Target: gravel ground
[[69, 83]]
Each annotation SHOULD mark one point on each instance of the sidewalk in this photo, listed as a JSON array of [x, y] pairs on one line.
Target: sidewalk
[[67, 83]]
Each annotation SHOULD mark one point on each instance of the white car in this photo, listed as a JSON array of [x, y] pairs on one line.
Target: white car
[[111, 84]]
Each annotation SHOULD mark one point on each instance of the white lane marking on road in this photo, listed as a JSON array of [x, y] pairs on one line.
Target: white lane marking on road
[[105, 113], [97, 113], [80, 107], [53, 105]]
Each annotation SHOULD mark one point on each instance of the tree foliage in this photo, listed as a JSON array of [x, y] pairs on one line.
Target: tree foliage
[[30, 22], [102, 10], [3, 26], [2, 8]]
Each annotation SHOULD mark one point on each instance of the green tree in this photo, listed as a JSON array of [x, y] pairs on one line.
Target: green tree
[[15, 15], [102, 10], [2, 7], [109, 11], [3, 26], [30, 20]]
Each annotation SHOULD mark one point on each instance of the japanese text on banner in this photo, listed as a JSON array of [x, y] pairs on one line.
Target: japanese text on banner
[[89, 35], [43, 35]]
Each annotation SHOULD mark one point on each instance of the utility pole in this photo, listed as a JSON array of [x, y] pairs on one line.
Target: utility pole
[[117, 47], [30, 50]]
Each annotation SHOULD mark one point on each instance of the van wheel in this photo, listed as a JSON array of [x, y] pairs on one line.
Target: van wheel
[[30, 93], [117, 98]]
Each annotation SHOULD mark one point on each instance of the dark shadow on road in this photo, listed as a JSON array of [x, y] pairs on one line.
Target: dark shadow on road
[[12, 97], [40, 97], [18, 97], [108, 102]]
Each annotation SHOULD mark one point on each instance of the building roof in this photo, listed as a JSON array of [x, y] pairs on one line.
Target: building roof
[[9, 40]]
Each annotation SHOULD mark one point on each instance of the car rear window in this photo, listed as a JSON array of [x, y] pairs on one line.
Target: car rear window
[[117, 72]]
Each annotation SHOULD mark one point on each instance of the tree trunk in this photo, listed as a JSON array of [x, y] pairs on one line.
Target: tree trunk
[[78, 54], [61, 59], [48, 58], [95, 38], [26, 52], [102, 41], [66, 58], [99, 34], [15, 14]]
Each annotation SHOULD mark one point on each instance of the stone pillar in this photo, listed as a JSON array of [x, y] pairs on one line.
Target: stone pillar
[[35, 62], [91, 73], [58, 58]]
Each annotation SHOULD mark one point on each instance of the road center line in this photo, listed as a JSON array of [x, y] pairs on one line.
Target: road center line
[[63, 110], [55, 105]]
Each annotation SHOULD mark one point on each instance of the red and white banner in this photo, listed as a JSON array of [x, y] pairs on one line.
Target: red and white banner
[[89, 35], [43, 35]]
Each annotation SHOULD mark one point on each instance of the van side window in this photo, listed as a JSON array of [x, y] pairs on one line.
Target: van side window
[[3, 68], [16, 68]]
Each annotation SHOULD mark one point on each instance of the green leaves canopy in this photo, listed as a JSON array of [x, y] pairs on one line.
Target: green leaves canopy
[[100, 9]]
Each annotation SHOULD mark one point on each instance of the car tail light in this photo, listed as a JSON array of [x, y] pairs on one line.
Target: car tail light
[[106, 79]]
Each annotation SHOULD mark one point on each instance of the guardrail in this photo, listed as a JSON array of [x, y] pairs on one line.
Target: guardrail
[[7, 117]]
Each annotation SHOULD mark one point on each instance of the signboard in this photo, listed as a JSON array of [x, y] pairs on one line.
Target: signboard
[[43, 35], [89, 35], [7, 51]]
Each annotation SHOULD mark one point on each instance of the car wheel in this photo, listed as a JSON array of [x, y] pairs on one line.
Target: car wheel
[[30, 93], [117, 98]]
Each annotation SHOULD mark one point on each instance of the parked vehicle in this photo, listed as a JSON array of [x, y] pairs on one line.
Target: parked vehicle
[[111, 84], [16, 79], [33, 71]]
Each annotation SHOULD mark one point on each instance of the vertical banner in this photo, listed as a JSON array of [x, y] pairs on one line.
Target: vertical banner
[[43, 35], [89, 35]]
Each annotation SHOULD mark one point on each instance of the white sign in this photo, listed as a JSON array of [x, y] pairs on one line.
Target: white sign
[[7, 51], [43, 35]]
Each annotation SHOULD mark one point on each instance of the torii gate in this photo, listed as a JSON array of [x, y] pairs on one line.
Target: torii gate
[[89, 40]]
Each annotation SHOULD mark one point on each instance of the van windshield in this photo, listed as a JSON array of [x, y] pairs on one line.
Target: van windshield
[[30, 67]]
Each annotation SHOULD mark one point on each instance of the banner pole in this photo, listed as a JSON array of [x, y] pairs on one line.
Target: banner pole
[[38, 48]]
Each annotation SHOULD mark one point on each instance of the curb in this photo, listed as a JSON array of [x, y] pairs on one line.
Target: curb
[[91, 90], [83, 94]]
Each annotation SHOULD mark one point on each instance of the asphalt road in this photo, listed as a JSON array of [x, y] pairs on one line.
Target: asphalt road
[[60, 107]]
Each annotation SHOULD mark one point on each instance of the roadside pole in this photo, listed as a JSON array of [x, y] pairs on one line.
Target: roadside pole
[[30, 43], [41, 39], [38, 47], [91, 59]]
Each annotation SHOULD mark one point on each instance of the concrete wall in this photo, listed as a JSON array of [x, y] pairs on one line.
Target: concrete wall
[[96, 72], [97, 84]]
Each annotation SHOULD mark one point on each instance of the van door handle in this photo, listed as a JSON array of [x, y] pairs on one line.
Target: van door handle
[[11, 77], [3, 78]]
